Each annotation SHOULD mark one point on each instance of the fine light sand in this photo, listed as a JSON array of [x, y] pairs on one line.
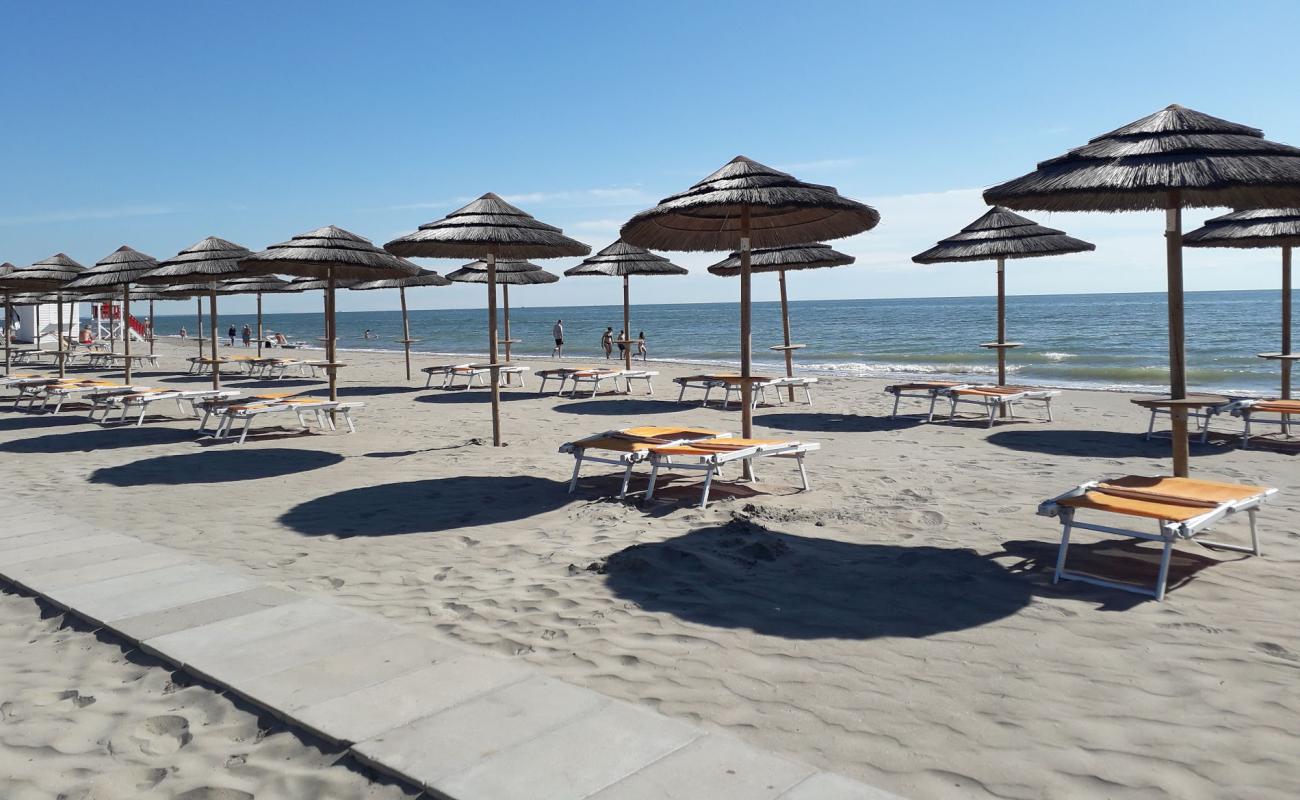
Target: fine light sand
[[895, 624]]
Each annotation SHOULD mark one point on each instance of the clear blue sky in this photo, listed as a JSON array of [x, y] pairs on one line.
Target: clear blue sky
[[158, 123]]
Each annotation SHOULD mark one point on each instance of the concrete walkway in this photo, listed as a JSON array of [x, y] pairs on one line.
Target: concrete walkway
[[456, 723]]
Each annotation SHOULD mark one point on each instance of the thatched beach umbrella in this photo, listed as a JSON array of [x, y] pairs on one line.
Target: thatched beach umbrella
[[780, 260], [119, 269], [488, 228], [335, 255], [52, 274], [253, 284], [1173, 159], [624, 260], [210, 261], [744, 205], [510, 272], [1263, 227], [427, 277], [1001, 234]]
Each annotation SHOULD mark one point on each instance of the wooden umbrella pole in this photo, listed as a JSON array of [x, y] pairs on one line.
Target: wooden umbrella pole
[[492, 347], [1177, 355], [112, 331], [9, 323], [329, 342], [58, 339], [406, 330], [198, 316], [150, 329], [126, 332], [746, 390], [259, 324], [1002, 321], [1286, 322], [627, 326], [785, 332], [212, 312], [505, 301]]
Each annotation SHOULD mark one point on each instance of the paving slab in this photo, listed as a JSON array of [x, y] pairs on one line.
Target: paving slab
[[346, 671], [43, 537], [433, 748], [202, 612], [153, 590], [575, 760], [95, 555], [216, 637], [713, 766], [22, 523], [149, 558], [61, 547], [360, 715], [829, 786]]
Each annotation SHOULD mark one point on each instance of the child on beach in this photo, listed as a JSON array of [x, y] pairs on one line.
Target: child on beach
[[607, 342]]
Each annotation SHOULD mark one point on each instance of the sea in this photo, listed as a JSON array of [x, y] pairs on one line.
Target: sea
[[1100, 341]]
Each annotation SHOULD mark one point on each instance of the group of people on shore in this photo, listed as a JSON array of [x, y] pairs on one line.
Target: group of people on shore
[[607, 342]]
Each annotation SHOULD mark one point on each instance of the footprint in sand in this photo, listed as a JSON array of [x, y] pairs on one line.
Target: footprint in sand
[[162, 735], [1276, 650], [214, 793], [120, 784]]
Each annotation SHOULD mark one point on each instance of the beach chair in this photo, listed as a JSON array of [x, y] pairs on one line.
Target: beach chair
[[561, 374], [1258, 412], [711, 455], [202, 364], [995, 399], [1211, 406], [1182, 508], [921, 390], [446, 371], [705, 382], [130, 403], [63, 390], [325, 412], [595, 378], [214, 407], [759, 395], [629, 447]]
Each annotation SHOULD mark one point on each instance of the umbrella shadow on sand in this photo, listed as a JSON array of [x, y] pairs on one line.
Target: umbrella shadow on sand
[[628, 406], [428, 506], [1089, 443], [740, 575], [220, 466], [823, 422], [471, 396], [98, 439], [35, 420]]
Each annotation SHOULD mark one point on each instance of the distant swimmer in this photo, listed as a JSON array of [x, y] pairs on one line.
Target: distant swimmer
[[369, 334]]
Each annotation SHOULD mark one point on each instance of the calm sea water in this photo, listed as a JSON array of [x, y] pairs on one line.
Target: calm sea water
[[1113, 341]]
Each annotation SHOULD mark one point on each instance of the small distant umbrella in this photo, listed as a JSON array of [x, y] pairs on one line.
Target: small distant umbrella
[[621, 259], [1173, 159], [488, 228], [427, 277], [743, 205], [120, 268], [1001, 234], [510, 272], [253, 284], [48, 275], [333, 254], [1264, 227], [210, 260]]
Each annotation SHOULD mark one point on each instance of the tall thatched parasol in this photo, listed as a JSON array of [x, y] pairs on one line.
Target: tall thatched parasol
[[120, 268], [623, 260], [488, 228], [510, 272], [253, 284], [427, 277], [1173, 159], [48, 275], [780, 260], [1263, 227], [210, 260], [333, 254], [1001, 234], [746, 204]]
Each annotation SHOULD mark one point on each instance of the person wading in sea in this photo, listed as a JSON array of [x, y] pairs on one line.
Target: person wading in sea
[[607, 342], [558, 333]]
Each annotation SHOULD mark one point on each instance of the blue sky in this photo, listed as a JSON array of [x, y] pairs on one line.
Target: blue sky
[[158, 123]]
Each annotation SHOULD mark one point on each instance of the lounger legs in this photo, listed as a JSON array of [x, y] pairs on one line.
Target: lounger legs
[[1165, 555], [803, 474], [1067, 522], [577, 465], [708, 482], [627, 476]]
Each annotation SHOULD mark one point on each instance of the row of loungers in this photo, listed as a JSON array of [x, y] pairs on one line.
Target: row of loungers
[[1251, 411], [991, 400], [732, 384], [264, 367]]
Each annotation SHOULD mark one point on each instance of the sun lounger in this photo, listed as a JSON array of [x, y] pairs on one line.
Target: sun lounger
[[776, 385], [200, 364], [629, 447], [214, 407], [922, 390], [1203, 411], [110, 359], [596, 377], [1253, 412], [993, 399], [81, 391], [711, 455], [325, 412], [445, 371], [1183, 508], [130, 402], [726, 381], [561, 374]]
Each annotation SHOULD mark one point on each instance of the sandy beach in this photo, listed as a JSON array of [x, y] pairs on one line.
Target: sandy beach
[[895, 624]]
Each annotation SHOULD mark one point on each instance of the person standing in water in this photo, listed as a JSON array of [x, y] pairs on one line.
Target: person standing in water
[[558, 333], [232, 333], [607, 342], [640, 345], [247, 335], [622, 344]]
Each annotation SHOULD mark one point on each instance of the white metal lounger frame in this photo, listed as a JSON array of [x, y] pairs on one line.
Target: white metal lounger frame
[[698, 383], [626, 460], [1245, 410], [759, 395], [597, 377], [1202, 417], [143, 400], [991, 403], [1168, 532], [324, 412], [62, 394], [711, 465], [930, 393]]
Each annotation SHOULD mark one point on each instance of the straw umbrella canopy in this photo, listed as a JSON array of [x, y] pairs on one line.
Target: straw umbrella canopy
[[120, 268], [427, 277], [488, 228], [510, 272], [624, 260], [48, 275], [781, 260], [255, 285], [1173, 159], [1001, 234], [743, 205], [333, 254], [209, 260], [1262, 227]]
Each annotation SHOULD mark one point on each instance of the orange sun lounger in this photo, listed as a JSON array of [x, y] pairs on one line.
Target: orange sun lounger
[[1252, 411], [923, 390], [631, 446], [1183, 508], [710, 455]]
